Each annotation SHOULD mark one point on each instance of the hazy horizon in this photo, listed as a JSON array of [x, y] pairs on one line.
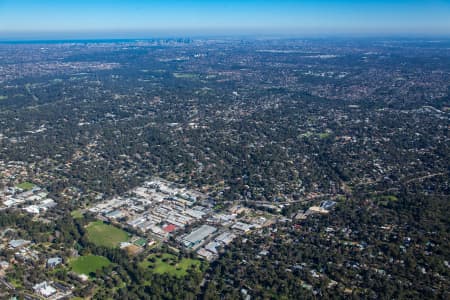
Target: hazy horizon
[[73, 36]]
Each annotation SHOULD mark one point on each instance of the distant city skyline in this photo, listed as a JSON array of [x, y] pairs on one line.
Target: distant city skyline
[[138, 19]]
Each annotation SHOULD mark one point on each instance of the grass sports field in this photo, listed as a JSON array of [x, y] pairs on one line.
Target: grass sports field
[[76, 214], [88, 264], [184, 75], [106, 235], [25, 186], [169, 264]]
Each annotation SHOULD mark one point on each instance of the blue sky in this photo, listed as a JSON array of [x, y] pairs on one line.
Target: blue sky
[[128, 17]]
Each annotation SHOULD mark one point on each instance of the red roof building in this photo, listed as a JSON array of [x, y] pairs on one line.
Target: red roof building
[[169, 228]]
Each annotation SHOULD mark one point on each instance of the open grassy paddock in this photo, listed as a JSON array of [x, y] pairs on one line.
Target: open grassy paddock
[[169, 264], [76, 214]]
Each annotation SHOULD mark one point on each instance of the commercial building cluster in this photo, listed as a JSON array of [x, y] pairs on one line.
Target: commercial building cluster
[[160, 209]]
